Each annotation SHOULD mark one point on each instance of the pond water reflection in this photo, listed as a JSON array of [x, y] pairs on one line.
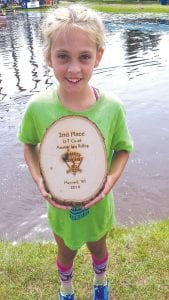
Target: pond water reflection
[[135, 67]]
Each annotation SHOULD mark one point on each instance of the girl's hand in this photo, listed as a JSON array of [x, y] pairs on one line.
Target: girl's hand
[[47, 196], [106, 190], [118, 163]]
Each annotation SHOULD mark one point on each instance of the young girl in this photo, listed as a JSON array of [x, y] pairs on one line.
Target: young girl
[[74, 41]]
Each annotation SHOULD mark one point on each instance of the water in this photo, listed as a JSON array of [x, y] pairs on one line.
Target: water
[[135, 67]]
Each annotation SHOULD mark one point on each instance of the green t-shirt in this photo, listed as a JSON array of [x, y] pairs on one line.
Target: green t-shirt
[[78, 226]]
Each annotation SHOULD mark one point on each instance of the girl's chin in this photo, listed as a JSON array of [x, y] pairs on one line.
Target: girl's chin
[[74, 87]]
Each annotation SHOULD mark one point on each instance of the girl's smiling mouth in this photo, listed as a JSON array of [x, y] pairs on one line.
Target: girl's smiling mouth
[[73, 80]]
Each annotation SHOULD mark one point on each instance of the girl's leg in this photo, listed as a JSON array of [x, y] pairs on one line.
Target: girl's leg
[[99, 254], [64, 263], [99, 260]]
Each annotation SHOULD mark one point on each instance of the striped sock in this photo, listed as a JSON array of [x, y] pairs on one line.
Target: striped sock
[[99, 267], [65, 275]]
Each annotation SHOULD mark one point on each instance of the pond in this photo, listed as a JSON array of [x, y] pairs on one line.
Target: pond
[[135, 67]]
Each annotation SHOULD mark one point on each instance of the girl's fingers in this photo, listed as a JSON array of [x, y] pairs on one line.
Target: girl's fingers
[[106, 190], [94, 201], [55, 204]]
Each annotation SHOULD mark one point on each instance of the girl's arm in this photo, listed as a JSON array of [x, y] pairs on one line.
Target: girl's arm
[[118, 164], [31, 154]]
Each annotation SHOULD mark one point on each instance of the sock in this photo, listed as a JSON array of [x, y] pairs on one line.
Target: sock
[[65, 275], [99, 267]]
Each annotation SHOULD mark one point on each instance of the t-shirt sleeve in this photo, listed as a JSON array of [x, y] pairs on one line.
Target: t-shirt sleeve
[[27, 132], [121, 139]]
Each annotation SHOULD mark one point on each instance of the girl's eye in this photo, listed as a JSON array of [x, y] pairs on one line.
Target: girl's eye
[[62, 57], [85, 57]]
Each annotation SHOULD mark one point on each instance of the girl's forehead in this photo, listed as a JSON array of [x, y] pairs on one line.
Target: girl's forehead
[[72, 35]]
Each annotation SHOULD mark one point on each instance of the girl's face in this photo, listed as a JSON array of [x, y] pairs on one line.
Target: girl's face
[[73, 57]]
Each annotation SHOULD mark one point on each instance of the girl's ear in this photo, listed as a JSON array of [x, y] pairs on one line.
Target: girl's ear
[[99, 55], [49, 63]]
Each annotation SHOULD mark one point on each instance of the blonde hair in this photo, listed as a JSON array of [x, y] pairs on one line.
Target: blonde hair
[[73, 16]]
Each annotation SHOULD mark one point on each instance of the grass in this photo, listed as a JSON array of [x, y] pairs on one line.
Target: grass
[[138, 267], [129, 8]]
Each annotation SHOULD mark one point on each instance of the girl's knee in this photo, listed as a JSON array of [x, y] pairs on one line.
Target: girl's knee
[[99, 248], [65, 254]]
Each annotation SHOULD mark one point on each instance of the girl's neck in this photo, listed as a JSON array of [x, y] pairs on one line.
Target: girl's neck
[[78, 101]]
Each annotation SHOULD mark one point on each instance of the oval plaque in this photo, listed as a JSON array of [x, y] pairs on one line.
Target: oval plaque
[[73, 160]]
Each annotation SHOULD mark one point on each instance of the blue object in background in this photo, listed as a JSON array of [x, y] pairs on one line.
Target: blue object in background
[[163, 2], [42, 2], [24, 3]]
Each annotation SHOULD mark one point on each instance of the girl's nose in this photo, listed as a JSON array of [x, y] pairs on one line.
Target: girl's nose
[[73, 67]]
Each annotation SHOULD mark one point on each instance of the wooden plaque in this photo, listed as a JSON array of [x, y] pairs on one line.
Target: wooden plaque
[[73, 160]]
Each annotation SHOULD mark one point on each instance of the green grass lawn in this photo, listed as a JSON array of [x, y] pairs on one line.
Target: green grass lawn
[[138, 267], [131, 8]]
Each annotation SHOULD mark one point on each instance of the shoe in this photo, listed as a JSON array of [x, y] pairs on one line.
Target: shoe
[[101, 292], [67, 297]]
